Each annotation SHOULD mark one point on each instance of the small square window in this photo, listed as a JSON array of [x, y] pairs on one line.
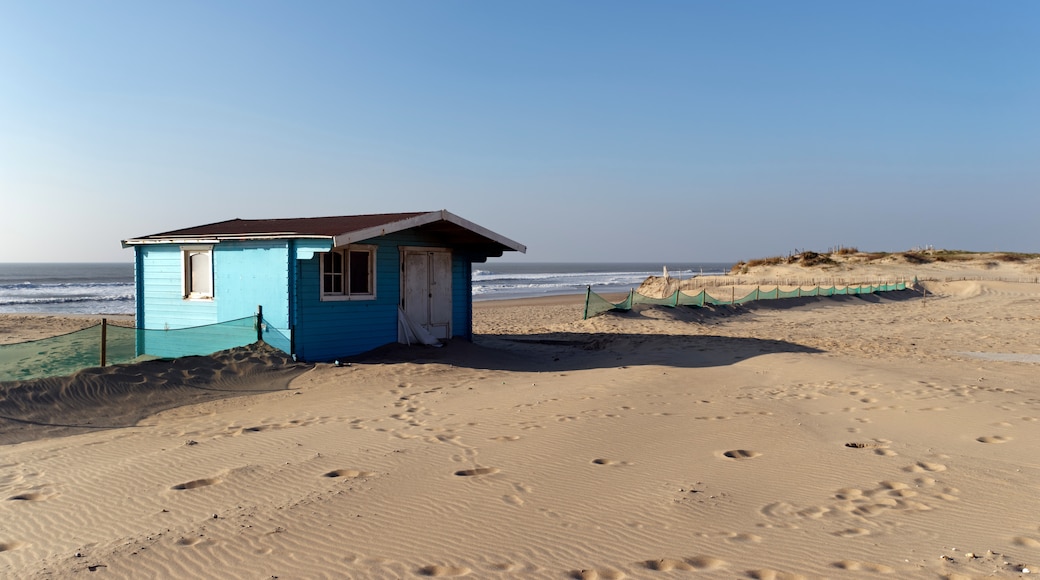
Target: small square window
[[348, 274], [198, 272], [332, 273]]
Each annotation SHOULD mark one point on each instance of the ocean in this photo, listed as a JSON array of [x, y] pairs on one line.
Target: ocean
[[499, 281], [91, 288], [79, 288]]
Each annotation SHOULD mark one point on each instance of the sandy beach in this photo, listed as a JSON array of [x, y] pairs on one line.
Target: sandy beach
[[842, 437]]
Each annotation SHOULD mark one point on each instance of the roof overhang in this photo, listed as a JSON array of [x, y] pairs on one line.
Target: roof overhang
[[454, 230], [215, 239], [429, 219]]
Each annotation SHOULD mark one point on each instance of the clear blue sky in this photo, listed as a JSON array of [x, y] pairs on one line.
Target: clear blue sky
[[587, 130]]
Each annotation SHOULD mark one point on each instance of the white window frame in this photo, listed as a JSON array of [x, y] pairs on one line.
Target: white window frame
[[346, 294], [188, 284]]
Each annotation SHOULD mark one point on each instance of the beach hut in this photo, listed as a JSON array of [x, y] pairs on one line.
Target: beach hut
[[328, 287]]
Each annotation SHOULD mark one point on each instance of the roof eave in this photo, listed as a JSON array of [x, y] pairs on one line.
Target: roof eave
[[354, 237], [216, 239]]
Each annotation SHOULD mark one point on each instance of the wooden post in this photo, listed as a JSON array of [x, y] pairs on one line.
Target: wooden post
[[104, 340], [259, 323]]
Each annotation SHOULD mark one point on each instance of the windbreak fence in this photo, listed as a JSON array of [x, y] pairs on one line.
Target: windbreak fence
[[596, 304], [105, 343]]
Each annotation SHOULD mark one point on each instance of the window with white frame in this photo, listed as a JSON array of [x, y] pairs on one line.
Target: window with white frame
[[349, 273], [198, 272]]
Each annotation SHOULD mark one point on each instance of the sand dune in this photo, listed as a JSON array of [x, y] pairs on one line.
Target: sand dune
[[844, 437]]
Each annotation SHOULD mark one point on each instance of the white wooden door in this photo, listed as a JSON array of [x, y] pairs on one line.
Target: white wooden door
[[426, 289]]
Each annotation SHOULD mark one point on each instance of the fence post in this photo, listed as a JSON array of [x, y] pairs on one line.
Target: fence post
[[259, 323], [104, 340], [588, 294]]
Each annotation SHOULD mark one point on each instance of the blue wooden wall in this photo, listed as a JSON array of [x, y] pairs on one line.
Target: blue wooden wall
[[245, 275], [334, 329], [251, 273]]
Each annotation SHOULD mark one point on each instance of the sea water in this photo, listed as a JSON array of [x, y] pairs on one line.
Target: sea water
[[75, 288], [505, 280], [93, 288]]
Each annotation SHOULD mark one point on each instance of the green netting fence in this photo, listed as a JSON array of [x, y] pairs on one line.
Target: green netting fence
[[596, 304], [104, 344]]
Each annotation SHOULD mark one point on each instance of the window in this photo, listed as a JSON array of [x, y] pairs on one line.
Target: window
[[348, 274], [198, 272]]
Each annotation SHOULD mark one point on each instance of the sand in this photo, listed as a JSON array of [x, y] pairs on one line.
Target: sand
[[844, 437]]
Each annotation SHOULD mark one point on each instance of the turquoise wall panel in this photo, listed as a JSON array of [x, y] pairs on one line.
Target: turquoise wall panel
[[162, 282], [245, 274], [249, 274]]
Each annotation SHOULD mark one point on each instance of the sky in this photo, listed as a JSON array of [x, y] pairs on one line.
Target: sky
[[586, 130]]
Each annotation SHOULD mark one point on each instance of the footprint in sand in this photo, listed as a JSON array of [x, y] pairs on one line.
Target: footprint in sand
[[924, 466], [589, 574], [506, 438], [1025, 541], [476, 471], [767, 574], [741, 454], [863, 567], [195, 484], [30, 496], [442, 571], [348, 473], [603, 461], [994, 439], [864, 445], [851, 533], [686, 564]]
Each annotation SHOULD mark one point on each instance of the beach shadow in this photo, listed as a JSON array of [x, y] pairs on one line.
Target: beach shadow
[[824, 301], [566, 351], [569, 351], [709, 312], [120, 396]]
